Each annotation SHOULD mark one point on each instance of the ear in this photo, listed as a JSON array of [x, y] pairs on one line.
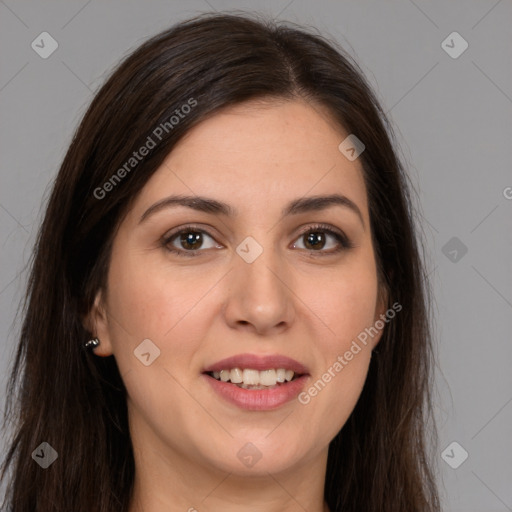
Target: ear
[[380, 310], [97, 323]]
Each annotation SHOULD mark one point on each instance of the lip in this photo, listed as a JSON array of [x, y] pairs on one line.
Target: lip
[[258, 399], [257, 362]]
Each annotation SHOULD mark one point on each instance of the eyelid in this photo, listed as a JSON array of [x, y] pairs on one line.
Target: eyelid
[[337, 233]]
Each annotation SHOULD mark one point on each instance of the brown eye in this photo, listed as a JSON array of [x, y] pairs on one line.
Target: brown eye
[[188, 242], [316, 238], [191, 240]]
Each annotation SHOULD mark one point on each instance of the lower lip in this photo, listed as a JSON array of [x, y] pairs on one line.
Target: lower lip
[[258, 399]]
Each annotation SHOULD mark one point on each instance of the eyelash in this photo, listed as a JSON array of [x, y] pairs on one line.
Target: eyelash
[[342, 239]]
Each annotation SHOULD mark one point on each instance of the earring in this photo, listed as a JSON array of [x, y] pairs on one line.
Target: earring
[[92, 343]]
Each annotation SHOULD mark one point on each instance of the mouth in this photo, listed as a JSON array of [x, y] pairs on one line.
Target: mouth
[[257, 382]]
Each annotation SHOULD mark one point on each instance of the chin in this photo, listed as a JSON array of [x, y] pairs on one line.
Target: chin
[[259, 455]]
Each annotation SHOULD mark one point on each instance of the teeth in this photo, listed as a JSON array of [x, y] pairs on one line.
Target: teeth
[[251, 377], [268, 378], [248, 377], [236, 376], [280, 375]]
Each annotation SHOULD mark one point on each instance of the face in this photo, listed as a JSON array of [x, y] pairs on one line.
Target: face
[[260, 275]]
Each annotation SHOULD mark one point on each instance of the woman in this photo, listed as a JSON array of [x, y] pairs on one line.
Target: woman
[[227, 309]]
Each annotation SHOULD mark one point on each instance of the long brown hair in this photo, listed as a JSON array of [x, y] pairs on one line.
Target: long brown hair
[[59, 394]]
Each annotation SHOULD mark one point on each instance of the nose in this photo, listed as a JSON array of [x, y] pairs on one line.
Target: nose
[[260, 297]]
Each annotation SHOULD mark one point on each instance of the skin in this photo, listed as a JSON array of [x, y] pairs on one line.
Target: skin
[[257, 157]]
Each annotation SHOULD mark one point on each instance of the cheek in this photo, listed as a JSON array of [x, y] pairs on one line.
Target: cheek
[[348, 306], [151, 300], [173, 307]]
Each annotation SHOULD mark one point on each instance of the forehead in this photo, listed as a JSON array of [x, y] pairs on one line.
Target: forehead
[[260, 153]]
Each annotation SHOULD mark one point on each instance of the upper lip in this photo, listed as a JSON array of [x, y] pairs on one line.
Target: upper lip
[[257, 362]]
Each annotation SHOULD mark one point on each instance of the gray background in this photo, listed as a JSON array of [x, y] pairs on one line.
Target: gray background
[[453, 122]]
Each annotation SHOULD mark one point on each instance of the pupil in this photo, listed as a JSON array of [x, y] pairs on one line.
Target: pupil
[[191, 238], [314, 239]]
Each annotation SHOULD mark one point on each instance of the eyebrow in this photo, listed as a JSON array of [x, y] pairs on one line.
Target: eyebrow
[[295, 207]]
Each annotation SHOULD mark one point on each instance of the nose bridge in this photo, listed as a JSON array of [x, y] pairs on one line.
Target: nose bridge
[[260, 294], [258, 263]]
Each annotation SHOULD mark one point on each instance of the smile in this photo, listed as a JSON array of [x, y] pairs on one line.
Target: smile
[[255, 382]]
